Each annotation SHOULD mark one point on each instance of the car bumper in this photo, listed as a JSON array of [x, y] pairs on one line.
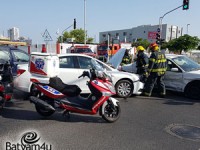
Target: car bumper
[[22, 87], [138, 87]]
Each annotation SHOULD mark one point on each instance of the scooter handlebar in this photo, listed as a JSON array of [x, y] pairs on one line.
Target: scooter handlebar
[[85, 73], [80, 76]]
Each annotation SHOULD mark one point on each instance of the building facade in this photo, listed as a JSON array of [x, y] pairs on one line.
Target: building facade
[[13, 34], [147, 32]]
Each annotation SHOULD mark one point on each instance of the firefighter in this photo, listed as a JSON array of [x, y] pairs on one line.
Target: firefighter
[[156, 69], [127, 59], [142, 63]]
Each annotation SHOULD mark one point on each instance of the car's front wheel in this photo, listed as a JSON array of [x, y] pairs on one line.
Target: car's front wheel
[[124, 88], [193, 91]]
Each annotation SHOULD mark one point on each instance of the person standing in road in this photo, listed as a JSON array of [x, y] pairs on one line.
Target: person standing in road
[[156, 69], [127, 59], [142, 63]]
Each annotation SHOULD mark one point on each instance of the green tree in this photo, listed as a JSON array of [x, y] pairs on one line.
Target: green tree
[[90, 40], [198, 47], [141, 42], [183, 43], [78, 34]]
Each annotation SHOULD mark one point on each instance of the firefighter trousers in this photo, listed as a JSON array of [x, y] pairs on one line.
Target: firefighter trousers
[[149, 85], [142, 73]]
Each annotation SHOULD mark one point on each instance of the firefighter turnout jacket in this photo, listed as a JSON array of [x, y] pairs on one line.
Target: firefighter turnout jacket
[[157, 63], [142, 62]]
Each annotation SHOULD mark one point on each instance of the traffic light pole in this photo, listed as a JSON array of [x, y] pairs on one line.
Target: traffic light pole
[[161, 18], [62, 35]]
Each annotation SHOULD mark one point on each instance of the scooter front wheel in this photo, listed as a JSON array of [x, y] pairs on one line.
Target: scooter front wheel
[[110, 112]]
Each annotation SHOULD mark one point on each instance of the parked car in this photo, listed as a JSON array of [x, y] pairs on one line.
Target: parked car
[[15, 56], [182, 75], [72, 65]]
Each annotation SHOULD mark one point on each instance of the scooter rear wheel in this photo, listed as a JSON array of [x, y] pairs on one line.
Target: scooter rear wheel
[[109, 112], [42, 112]]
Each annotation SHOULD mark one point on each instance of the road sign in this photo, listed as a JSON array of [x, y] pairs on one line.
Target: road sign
[[47, 36], [158, 30]]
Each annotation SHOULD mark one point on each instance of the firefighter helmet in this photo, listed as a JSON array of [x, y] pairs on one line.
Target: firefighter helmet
[[140, 48], [154, 46]]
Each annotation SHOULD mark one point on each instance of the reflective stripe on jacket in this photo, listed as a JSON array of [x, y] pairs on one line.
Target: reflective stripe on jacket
[[157, 63]]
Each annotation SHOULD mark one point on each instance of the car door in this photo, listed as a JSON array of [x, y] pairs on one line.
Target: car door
[[174, 77], [85, 64], [69, 72], [19, 57]]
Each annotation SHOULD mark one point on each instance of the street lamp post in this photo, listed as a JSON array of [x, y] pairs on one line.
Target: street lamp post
[[187, 28], [85, 21]]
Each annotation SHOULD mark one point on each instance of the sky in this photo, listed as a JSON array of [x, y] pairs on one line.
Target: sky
[[33, 17]]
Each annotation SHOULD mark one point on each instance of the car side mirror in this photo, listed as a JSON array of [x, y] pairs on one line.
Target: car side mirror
[[174, 69]]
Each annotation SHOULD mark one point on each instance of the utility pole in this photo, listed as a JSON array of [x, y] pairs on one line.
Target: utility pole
[[85, 21], [187, 28], [108, 48]]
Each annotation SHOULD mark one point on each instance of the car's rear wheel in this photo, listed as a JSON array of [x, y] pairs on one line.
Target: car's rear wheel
[[193, 91], [124, 88]]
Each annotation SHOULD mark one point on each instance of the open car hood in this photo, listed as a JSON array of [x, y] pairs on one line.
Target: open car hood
[[116, 59]]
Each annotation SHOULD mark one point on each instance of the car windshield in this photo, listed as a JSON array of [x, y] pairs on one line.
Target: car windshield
[[4, 55], [102, 48], [84, 50], [186, 63], [20, 56]]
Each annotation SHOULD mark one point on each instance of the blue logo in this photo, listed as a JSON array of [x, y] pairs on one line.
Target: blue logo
[[95, 82], [39, 63], [52, 90]]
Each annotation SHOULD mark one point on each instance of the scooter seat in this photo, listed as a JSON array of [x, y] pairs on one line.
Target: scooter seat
[[68, 90]]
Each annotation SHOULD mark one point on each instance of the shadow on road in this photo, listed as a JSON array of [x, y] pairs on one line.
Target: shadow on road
[[28, 115], [172, 98]]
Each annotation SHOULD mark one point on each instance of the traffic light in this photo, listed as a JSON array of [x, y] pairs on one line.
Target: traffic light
[[74, 23], [185, 4], [158, 37]]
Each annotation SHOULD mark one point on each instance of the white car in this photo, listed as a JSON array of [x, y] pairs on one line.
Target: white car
[[73, 65], [182, 75]]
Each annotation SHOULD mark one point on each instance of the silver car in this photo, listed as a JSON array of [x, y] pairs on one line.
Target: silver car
[[182, 75]]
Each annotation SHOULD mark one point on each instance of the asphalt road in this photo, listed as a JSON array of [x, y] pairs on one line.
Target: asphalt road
[[142, 125]]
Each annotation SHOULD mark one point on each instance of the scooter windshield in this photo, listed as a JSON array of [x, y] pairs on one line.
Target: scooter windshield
[[96, 66], [100, 71]]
